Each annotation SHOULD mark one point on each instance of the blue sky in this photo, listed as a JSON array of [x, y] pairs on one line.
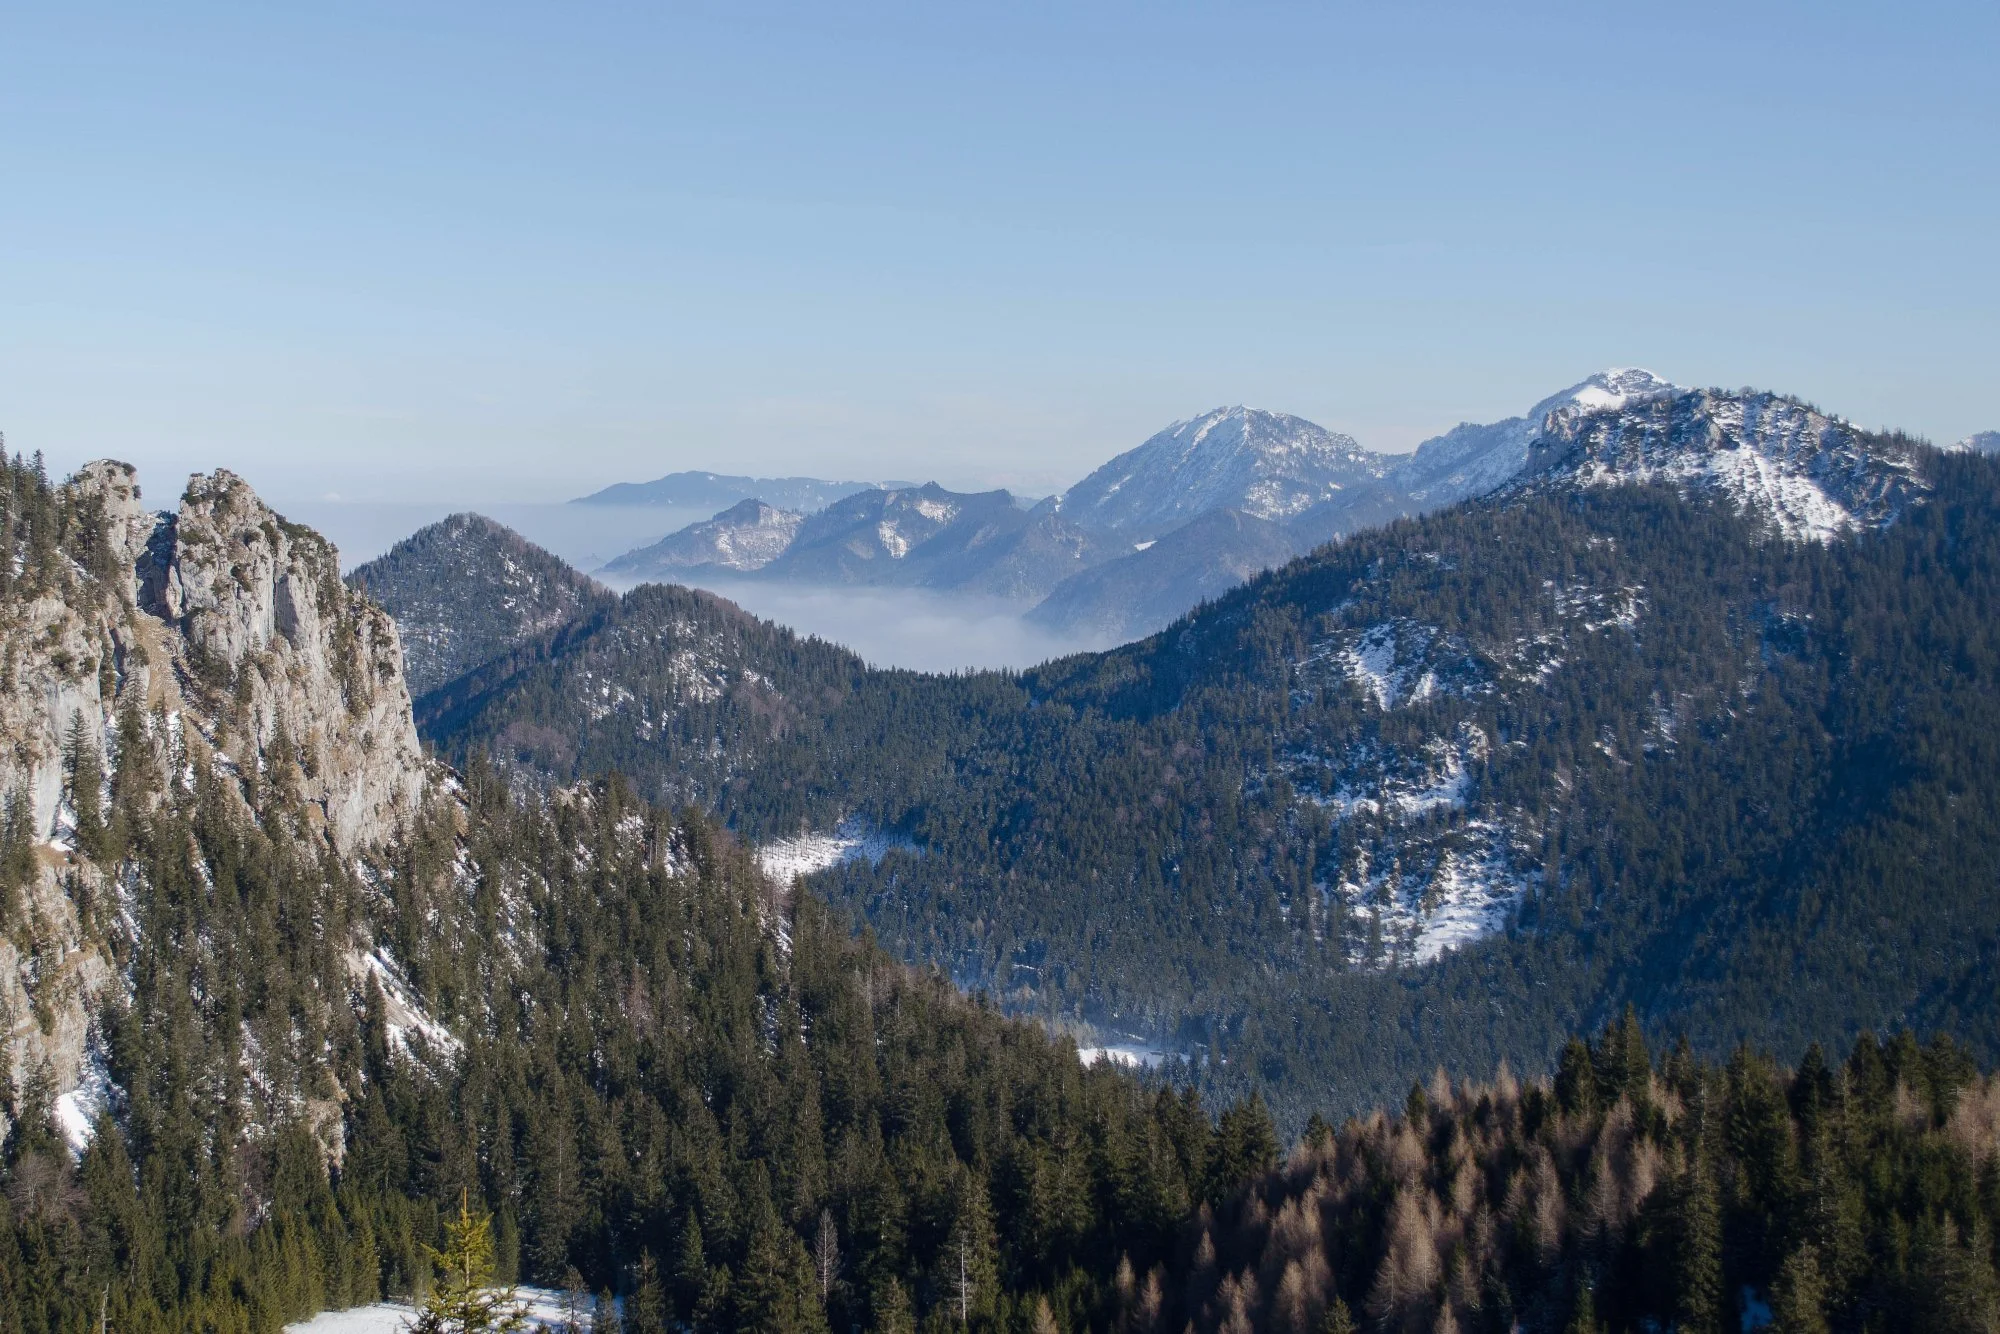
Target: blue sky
[[501, 251]]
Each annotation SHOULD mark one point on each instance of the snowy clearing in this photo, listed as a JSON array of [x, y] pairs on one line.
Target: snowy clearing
[[786, 859], [544, 1307], [1121, 1053]]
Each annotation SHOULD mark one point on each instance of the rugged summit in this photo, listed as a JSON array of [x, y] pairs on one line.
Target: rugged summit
[[1985, 442], [1802, 472], [1266, 464], [1278, 519], [1472, 459], [467, 588]]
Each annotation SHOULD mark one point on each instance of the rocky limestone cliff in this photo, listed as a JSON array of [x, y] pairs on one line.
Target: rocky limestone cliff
[[217, 630], [260, 612]]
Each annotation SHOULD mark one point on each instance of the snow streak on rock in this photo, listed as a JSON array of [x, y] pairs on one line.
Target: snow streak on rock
[[405, 1014]]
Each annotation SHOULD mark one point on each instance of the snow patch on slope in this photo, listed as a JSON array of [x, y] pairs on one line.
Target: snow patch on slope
[[786, 859], [1810, 476], [77, 1111], [405, 1015]]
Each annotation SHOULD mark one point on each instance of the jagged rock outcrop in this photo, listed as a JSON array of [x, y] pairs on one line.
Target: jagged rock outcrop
[[260, 611], [218, 631]]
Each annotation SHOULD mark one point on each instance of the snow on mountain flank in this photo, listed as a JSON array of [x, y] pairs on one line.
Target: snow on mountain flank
[[1266, 464], [404, 1015], [77, 1110], [1396, 663], [1809, 476], [1472, 459], [786, 859]]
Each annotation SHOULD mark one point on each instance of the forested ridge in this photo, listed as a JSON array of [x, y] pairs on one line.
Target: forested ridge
[[1702, 757], [656, 1074]]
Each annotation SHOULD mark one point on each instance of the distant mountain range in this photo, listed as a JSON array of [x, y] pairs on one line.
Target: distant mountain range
[[715, 491], [1184, 517], [1986, 442], [747, 536]]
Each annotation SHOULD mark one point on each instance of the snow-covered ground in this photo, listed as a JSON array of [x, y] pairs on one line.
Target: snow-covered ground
[[786, 859], [1471, 893], [77, 1111], [1122, 1053], [543, 1305], [1373, 663]]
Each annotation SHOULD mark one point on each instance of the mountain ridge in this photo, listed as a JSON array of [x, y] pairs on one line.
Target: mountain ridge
[[747, 536], [718, 491]]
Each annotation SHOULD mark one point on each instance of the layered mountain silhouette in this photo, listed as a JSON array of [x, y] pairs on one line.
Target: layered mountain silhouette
[[1194, 511], [1696, 694]]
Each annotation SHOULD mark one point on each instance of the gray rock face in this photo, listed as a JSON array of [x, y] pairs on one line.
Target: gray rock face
[[745, 537], [227, 634], [1985, 442], [258, 603]]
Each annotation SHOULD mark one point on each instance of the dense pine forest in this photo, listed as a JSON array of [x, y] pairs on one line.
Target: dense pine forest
[[663, 1077], [663, 1080], [1700, 755]]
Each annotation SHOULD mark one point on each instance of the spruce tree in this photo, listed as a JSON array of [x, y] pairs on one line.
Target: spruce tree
[[1798, 1298], [463, 1298], [1697, 1281], [646, 1308]]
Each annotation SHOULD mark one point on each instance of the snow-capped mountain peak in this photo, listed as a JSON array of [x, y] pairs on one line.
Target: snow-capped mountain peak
[[1267, 464], [1607, 391]]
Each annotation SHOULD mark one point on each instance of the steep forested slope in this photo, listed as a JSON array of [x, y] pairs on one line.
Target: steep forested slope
[[1704, 700]]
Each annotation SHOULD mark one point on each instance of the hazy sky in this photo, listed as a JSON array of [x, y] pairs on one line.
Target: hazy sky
[[494, 251]]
